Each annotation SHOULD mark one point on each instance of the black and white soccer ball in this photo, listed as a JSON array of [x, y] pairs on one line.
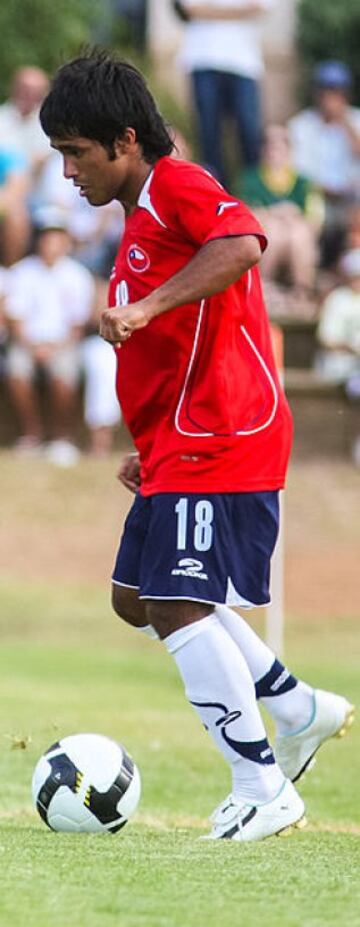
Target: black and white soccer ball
[[86, 783]]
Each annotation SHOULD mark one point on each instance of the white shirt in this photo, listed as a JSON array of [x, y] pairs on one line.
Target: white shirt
[[322, 151], [233, 46], [340, 325], [49, 300], [340, 319], [84, 220], [24, 133]]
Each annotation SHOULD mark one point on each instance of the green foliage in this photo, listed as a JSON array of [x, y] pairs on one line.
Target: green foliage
[[330, 30], [46, 33], [43, 33]]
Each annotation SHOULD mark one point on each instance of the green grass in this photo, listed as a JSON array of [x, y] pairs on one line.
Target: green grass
[[66, 665]]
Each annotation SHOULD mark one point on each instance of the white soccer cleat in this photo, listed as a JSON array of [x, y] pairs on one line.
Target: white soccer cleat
[[332, 717], [242, 821]]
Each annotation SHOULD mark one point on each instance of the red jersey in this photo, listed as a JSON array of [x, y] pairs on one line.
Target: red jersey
[[198, 386]]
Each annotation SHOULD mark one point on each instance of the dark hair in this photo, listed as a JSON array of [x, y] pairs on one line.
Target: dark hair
[[98, 96]]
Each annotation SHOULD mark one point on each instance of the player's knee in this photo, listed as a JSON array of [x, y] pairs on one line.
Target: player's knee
[[168, 616], [127, 606]]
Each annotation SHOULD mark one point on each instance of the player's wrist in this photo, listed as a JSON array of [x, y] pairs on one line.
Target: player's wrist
[[151, 307]]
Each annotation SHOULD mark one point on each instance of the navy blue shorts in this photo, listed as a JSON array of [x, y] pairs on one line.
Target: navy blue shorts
[[212, 548]]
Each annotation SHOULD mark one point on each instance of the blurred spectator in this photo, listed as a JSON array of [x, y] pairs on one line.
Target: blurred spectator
[[14, 218], [283, 201], [222, 53], [49, 299], [339, 334], [3, 325], [339, 326], [95, 232], [352, 237], [20, 128], [326, 147], [101, 406]]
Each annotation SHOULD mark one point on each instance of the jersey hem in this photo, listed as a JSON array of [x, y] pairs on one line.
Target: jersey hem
[[192, 487]]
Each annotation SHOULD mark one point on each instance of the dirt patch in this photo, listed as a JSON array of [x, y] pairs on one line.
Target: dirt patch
[[64, 526]]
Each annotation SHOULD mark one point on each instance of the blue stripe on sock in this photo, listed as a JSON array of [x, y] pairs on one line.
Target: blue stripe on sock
[[276, 682]]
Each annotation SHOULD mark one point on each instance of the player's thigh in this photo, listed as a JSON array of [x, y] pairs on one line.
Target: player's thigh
[[126, 572], [127, 605], [167, 617], [209, 549]]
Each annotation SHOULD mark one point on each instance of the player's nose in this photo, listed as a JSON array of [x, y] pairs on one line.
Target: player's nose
[[69, 168]]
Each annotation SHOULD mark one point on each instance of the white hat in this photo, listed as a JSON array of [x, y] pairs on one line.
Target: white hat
[[350, 263], [48, 218]]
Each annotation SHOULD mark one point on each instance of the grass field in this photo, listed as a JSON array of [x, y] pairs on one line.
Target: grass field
[[67, 665]]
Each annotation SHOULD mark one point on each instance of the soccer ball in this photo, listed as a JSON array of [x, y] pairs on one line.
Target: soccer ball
[[86, 783]]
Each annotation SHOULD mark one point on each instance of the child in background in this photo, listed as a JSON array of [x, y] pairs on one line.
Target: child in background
[[284, 204]]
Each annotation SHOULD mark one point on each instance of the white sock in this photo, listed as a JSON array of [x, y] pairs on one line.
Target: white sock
[[219, 686], [287, 699]]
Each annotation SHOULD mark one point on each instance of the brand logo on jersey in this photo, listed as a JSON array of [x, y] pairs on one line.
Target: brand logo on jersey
[[137, 259], [187, 566], [222, 206]]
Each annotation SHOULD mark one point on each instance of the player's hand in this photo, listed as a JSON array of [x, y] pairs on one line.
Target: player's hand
[[118, 323], [129, 472]]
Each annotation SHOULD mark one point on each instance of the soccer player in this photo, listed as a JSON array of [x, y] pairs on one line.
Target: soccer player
[[199, 391]]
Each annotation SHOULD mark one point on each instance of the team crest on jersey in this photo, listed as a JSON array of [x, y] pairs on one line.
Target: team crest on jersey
[[137, 259]]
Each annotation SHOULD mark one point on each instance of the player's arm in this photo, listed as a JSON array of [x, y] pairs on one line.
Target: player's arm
[[216, 265]]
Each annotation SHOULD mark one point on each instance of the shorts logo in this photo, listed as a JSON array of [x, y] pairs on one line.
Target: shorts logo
[[187, 566], [137, 259]]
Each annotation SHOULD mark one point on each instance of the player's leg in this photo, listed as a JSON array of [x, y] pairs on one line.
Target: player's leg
[[287, 699], [304, 717], [126, 574], [219, 686], [179, 589]]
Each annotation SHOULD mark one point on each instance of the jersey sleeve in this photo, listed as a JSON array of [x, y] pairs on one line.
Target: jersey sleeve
[[196, 206]]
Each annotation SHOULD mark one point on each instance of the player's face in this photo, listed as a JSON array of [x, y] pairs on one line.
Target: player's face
[[87, 163]]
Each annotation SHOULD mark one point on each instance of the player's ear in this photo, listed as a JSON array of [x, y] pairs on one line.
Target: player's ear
[[127, 141]]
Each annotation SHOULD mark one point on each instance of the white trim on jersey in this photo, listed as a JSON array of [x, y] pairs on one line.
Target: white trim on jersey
[[145, 202], [211, 434], [205, 434]]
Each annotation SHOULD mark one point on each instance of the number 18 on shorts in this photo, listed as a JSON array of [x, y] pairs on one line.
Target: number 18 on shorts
[[212, 548]]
